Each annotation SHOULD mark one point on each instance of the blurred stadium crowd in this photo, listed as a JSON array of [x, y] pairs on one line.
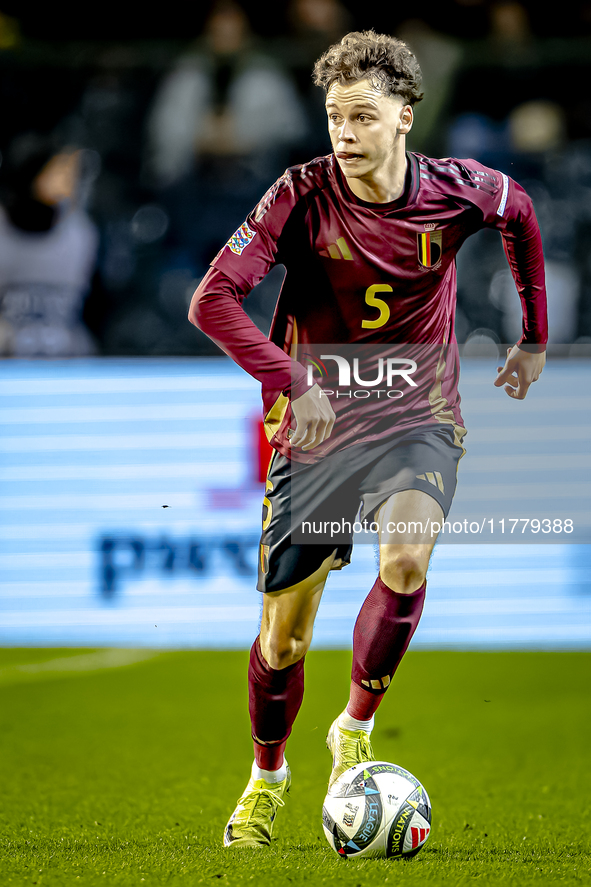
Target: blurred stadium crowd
[[130, 156]]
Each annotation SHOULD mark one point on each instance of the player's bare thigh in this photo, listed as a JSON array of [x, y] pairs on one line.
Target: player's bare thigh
[[288, 618], [406, 541]]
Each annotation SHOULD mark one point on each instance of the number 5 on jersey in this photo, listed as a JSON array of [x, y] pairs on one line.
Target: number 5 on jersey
[[267, 504], [382, 306]]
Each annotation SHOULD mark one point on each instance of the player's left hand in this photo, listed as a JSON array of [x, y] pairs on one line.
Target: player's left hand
[[520, 370]]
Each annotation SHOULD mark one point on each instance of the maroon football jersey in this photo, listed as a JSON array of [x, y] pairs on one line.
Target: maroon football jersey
[[378, 279]]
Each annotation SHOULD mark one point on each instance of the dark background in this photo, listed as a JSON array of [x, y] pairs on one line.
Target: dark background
[[467, 19], [89, 75]]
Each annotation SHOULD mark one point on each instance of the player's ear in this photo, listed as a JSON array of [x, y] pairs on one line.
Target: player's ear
[[406, 118]]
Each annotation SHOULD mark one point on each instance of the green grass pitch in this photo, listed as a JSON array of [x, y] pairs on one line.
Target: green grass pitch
[[126, 775]]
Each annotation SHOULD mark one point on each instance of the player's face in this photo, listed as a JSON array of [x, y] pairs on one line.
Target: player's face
[[365, 128]]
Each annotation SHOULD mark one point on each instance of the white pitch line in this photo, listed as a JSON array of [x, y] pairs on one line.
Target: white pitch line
[[85, 662]]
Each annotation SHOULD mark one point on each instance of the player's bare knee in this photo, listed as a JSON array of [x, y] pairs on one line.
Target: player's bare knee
[[285, 651], [403, 571]]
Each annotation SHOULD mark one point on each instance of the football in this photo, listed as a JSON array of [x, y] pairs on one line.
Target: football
[[376, 809]]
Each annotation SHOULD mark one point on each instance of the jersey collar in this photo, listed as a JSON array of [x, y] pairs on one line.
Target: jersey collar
[[407, 198]]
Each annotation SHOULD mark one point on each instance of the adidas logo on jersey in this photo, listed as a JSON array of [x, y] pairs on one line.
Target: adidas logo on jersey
[[337, 250], [434, 477]]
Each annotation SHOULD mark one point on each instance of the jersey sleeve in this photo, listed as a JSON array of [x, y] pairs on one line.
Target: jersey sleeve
[[217, 309], [506, 206], [252, 250]]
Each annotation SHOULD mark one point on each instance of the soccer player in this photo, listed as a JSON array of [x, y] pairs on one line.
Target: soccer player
[[368, 237]]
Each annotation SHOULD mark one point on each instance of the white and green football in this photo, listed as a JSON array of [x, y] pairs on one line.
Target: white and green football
[[376, 809]]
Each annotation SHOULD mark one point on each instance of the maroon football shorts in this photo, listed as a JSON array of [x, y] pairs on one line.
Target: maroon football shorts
[[311, 509]]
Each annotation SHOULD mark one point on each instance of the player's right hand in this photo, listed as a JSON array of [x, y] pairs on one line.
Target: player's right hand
[[314, 419]]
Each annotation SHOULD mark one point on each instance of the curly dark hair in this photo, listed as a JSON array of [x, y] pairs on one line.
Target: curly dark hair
[[385, 61]]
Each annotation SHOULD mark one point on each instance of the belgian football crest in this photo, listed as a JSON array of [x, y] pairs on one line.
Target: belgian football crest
[[430, 247]]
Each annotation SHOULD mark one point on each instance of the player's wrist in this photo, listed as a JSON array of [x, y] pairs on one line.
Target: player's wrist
[[299, 385], [532, 347]]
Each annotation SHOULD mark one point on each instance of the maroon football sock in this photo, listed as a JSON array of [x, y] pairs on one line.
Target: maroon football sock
[[386, 623], [274, 699]]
